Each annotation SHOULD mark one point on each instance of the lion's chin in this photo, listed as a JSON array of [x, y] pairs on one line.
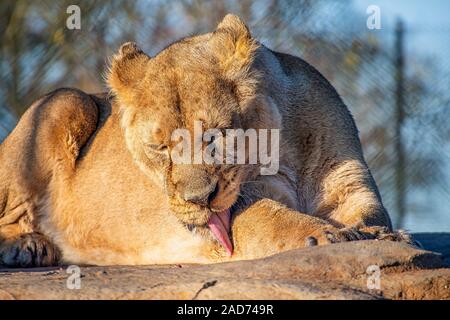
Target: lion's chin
[[217, 225], [213, 222]]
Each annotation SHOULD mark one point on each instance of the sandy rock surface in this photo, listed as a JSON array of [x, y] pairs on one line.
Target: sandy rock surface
[[338, 271]]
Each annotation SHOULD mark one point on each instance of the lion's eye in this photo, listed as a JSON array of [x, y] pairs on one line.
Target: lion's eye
[[157, 147]]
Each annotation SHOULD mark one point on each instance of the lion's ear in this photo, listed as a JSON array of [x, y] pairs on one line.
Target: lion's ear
[[233, 46], [127, 70]]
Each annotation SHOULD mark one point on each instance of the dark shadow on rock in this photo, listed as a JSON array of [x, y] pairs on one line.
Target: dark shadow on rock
[[435, 241]]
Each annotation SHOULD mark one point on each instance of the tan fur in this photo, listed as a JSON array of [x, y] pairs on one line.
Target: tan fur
[[78, 176]]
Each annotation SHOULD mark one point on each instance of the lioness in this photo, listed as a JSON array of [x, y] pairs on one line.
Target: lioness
[[89, 179]]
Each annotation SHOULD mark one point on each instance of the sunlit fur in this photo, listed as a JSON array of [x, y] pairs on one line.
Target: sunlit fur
[[78, 169]]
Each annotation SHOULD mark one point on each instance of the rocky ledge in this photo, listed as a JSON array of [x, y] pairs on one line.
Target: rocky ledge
[[353, 270]]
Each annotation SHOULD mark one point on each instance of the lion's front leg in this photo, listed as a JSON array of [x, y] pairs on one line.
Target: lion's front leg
[[268, 227]]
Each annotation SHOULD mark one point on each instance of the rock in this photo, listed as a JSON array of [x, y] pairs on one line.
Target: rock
[[337, 271], [437, 242]]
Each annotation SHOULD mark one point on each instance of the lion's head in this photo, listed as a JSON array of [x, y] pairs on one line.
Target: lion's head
[[211, 79]]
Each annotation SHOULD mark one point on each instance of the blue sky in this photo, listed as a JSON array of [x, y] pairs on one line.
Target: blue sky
[[412, 11], [428, 22]]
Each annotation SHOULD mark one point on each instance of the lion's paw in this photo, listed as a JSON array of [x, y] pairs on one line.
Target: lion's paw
[[363, 233], [30, 250], [345, 234], [337, 236], [383, 233]]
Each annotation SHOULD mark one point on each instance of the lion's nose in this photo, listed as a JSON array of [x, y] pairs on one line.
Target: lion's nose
[[202, 196]]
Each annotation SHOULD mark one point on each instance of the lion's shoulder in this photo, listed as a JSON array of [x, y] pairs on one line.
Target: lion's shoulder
[[55, 128]]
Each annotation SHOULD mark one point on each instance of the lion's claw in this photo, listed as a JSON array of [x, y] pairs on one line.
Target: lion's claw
[[311, 242]]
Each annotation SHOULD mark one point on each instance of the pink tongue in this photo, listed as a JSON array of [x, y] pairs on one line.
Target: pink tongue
[[219, 224]]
